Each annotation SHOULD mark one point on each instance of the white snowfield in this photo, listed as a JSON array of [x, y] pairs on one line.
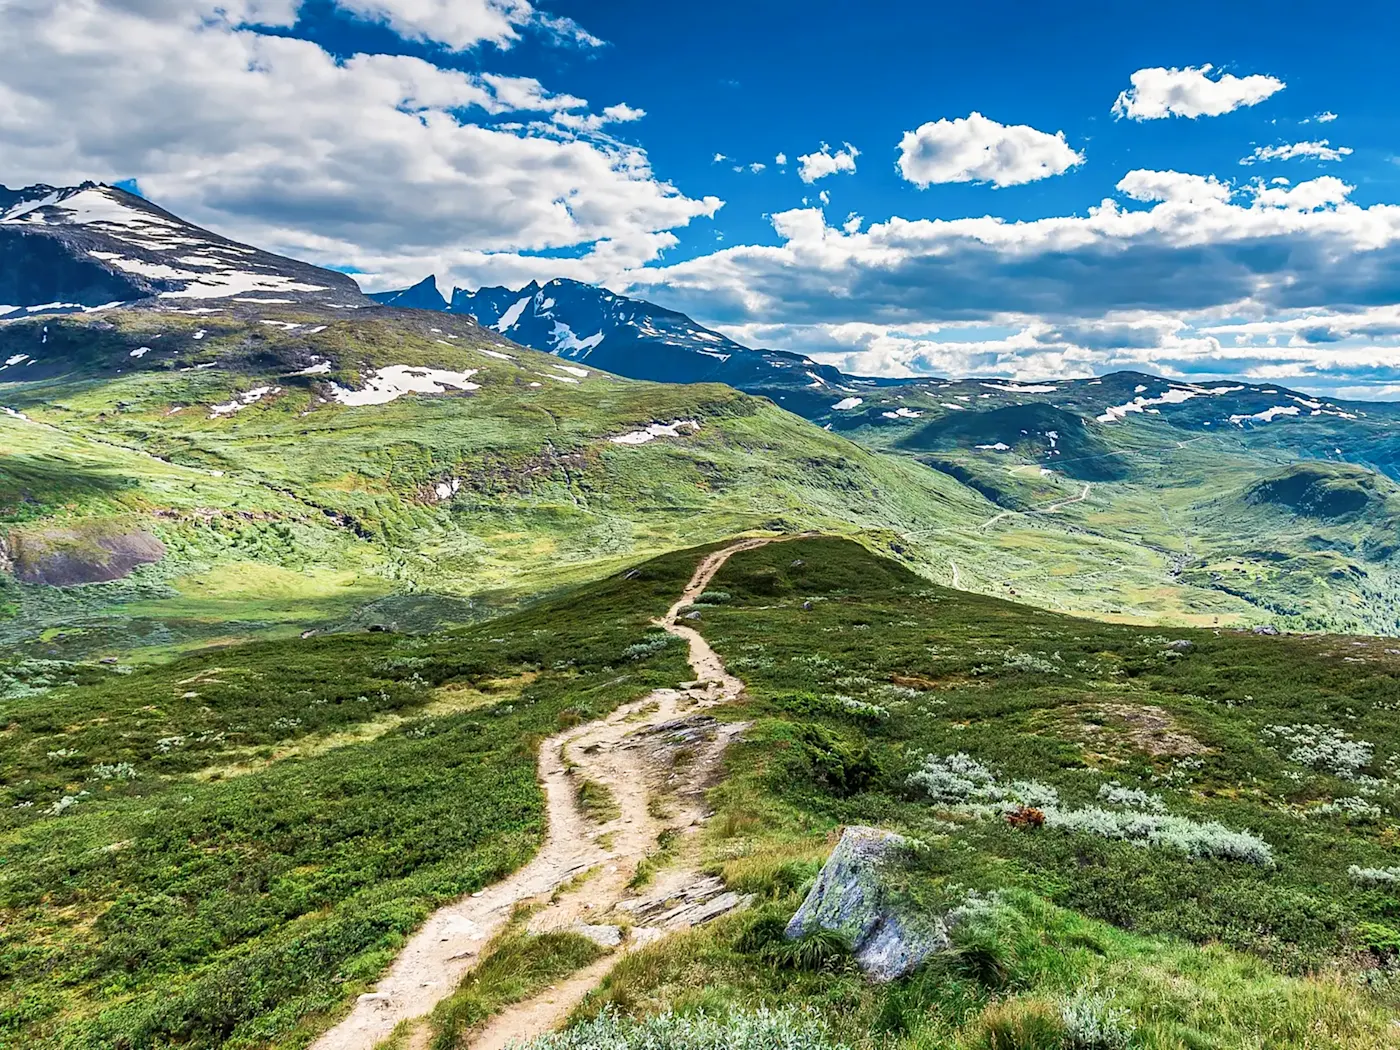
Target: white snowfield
[[1013, 388], [512, 315], [1267, 415], [902, 413], [654, 431], [393, 382], [1174, 396], [208, 269], [242, 401], [564, 339], [848, 403]]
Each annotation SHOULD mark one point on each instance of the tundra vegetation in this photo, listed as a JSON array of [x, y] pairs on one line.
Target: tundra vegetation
[[250, 832]]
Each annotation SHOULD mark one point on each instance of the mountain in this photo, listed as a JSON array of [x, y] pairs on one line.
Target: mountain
[[91, 246], [633, 338], [168, 477], [422, 296]]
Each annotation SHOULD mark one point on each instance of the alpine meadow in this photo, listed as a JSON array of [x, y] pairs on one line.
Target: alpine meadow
[[774, 527]]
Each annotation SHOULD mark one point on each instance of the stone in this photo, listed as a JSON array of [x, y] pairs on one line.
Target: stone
[[602, 936], [1180, 645], [1265, 628], [851, 897]]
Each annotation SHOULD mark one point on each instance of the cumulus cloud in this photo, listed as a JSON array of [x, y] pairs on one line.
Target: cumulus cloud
[[1326, 117], [814, 166], [1172, 186], [386, 163], [464, 24], [780, 159], [1191, 92], [1320, 150], [1167, 345], [1197, 248], [977, 149], [1183, 274], [1313, 195]]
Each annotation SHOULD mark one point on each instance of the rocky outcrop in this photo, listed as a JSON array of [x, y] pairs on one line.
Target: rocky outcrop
[[85, 553], [852, 897]]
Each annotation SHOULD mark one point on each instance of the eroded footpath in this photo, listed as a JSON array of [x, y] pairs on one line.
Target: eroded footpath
[[632, 753]]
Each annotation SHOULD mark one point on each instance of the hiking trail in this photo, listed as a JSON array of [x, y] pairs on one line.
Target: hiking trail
[[632, 752]]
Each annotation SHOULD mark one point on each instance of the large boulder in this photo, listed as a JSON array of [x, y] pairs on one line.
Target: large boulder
[[852, 897]]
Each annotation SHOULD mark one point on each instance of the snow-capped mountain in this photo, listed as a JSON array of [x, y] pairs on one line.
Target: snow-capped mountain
[[629, 337], [82, 247]]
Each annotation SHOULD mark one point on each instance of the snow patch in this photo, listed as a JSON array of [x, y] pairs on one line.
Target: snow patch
[[1174, 396], [998, 447], [512, 315], [393, 382], [1268, 415], [848, 403], [1012, 388], [653, 431], [242, 401]]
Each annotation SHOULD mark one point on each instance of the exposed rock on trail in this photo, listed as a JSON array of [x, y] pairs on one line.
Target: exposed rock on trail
[[633, 753], [851, 898]]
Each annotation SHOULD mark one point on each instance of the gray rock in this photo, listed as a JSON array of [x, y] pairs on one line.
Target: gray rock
[[1180, 645], [602, 936], [851, 897], [1265, 628]]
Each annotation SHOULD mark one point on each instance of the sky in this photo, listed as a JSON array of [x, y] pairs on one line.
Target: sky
[[1020, 189]]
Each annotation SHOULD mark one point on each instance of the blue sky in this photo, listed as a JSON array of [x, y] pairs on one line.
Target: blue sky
[[955, 223]]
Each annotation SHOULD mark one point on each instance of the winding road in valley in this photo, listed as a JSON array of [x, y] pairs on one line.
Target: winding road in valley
[[579, 878]]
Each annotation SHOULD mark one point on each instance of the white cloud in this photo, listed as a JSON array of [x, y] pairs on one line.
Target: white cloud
[[1326, 117], [814, 166], [1164, 344], [824, 197], [592, 123], [780, 159], [1191, 92], [1320, 150], [719, 158], [757, 166], [1315, 194], [1172, 186], [464, 24], [976, 149], [382, 162], [1197, 248]]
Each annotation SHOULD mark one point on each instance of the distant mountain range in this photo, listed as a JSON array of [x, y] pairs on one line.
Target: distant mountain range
[[64, 250], [634, 338]]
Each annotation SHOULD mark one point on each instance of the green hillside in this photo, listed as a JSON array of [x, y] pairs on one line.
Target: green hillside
[[285, 510], [227, 849], [174, 479]]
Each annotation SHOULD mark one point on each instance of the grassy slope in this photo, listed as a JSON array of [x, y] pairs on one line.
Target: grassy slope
[[1203, 953], [317, 508], [252, 832], [298, 806]]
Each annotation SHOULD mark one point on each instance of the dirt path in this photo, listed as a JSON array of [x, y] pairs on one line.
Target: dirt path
[[1076, 499], [1050, 509], [636, 752]]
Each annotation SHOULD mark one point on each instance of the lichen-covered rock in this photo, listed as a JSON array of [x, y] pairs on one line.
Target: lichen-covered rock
[[852, 897]]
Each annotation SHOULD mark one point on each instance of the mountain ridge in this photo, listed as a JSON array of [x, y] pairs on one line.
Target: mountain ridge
[[93, 246]]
